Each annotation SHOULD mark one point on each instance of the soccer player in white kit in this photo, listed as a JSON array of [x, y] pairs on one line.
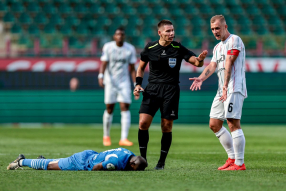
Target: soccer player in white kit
[[118, 59], [229, 60]]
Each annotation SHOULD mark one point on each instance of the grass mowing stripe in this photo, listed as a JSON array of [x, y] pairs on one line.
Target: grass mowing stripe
[[191, 164]]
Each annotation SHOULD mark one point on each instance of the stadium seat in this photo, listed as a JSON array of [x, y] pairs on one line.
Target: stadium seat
[[79, 8], [181, 31], [143, 10], [150, 21], [176, 11], [17, 7], [82, 29], [132, 32], [25, 41], [8, 17], [148, 31], [221, 10], [33, 30], [16, 29], [96, 9], [138, 41], [190, 10], [33, 7], [134, 21], [24, 18], [48, 8], [111, 9], [56, 19], [3, 7], [49, 29], [181, 21], [40, 18], [71, 20], [120, 21], [64, 8], [65, 30], [128, 10], [103, 20]]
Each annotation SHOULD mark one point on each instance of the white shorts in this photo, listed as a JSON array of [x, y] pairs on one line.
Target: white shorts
[[120, 93], [231, 108]]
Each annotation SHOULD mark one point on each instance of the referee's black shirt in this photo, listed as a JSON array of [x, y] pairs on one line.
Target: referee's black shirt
[[165, 61]]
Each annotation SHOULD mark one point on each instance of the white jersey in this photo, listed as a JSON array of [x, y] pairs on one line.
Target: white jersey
[[118, 58], [237, 82]]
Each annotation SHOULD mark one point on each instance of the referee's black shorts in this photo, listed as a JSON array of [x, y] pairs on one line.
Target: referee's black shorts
[[163, 96]]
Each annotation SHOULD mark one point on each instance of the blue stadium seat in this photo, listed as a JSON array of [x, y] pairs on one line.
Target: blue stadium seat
[[16, 29], [40, 18], [8, 17], [17, 7], [33, 7], [25, 18]]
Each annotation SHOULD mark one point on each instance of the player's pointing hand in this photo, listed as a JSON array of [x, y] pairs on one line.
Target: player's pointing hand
[[202, 56], [196, 84]]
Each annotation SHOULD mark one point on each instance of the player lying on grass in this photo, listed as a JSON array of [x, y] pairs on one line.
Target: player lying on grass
[[114, 159]]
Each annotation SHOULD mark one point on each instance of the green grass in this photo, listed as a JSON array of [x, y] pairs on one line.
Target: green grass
[[191, 164]]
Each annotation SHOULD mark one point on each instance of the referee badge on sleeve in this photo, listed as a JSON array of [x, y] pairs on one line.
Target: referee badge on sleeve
[[172, 62]]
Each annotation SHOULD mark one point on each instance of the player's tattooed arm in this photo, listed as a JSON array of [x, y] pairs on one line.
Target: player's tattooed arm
[[230, 59]]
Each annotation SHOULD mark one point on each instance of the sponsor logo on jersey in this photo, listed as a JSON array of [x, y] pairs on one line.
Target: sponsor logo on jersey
[[163, 53], [222, 58], [119, 60], [172, 62]]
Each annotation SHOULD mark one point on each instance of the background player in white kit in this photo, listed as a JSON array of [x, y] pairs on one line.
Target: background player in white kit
[[229, 59], [118, 59]]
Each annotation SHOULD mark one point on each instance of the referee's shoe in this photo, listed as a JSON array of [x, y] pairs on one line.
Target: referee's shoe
[[160, 166]]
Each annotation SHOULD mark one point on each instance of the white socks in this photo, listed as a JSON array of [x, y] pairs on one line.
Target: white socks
[[239, 145], [107, 120], [125, 124], [233, 144], [226, 140]]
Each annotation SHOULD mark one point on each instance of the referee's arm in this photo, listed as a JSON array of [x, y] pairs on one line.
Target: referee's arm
[[198, 61], [139, 77]]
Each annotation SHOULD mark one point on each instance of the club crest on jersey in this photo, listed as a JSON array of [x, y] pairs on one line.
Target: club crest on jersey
[[172, 62], [163, 53]]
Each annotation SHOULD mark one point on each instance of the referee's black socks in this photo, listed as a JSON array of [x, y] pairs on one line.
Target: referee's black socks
[[143, 139], [165, 146]]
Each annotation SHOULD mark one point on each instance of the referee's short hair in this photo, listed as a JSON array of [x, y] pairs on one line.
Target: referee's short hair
[[164, 22], [218, 17]]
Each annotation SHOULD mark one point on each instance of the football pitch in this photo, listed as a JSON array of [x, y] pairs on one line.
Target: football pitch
[[192, 162]]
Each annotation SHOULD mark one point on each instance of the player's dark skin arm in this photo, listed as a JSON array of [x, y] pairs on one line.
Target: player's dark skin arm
[[101, 70], [230, 59], [140, 73], [97, 167]]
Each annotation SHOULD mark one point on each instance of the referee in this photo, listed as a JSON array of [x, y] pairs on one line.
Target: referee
[[163, 90]]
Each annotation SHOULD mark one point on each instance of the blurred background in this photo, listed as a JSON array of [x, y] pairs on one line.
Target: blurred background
[[46, 43]]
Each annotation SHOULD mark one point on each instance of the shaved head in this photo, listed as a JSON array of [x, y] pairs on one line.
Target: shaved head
[[218, 17]]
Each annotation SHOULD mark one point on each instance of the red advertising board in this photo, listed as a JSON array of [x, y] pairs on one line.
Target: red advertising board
[[93, 64]]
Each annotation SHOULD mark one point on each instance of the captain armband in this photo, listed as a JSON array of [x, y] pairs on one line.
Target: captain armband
[[233, 52]]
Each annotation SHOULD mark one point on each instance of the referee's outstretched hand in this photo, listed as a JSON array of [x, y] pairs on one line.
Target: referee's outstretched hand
[[196, 84], [137, 91], [202, 56]]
